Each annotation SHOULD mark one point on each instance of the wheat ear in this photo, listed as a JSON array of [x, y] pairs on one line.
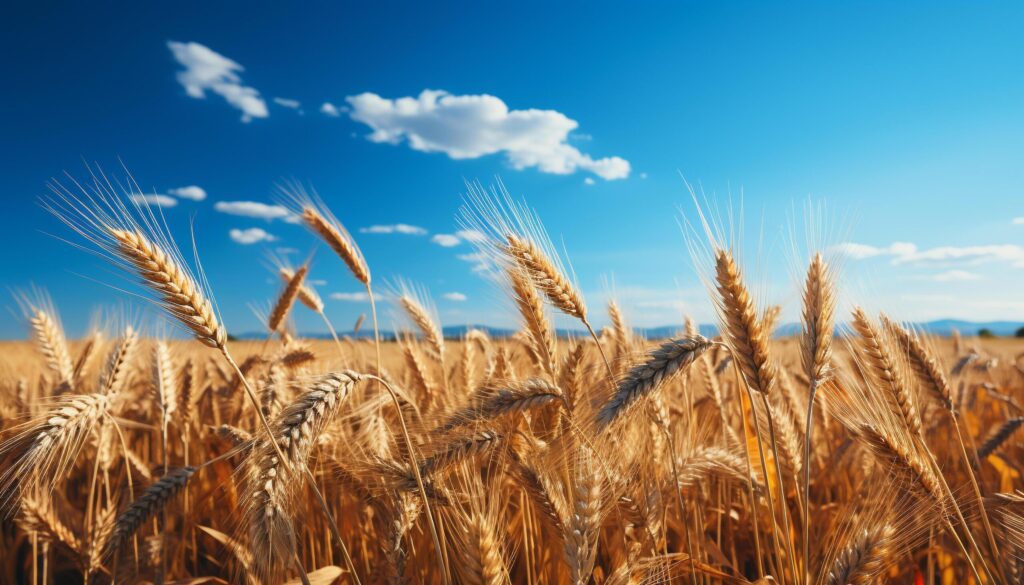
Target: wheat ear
[[904, 460], [583, 528], [307, 294], [491, 402], [863, 560], [931, 376], [338, 239], [550, 280], [880, 362], [425, 323], [535, 319], [272, 486], [37, 514], [1000, 436], [546, 276], [742, 328], [152, 501], [924, 365], [659, 364], [49, 336], [286, 300], [179, 294], [51, 444]]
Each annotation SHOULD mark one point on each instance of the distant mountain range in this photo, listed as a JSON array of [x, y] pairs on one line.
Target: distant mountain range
[[941, 327]]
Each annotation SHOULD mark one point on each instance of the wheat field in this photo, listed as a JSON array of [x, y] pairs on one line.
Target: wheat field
[[858, 451]]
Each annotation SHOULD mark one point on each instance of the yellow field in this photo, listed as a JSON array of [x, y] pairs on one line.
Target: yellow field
[[528, 493], [879, 455]]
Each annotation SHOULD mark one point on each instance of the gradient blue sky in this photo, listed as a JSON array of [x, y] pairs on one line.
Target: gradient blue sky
[[904, 120]]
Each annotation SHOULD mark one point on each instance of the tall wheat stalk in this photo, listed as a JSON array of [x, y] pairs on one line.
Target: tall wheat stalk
[[818, 322]]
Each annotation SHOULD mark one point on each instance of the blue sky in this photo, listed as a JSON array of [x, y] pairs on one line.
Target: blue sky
[[905, 122]]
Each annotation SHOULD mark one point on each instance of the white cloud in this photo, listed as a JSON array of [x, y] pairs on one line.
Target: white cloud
[[206, 70], [251, 236], [862, 251], [192, 192], [1018, 221], [588, 181], [471, 235], [906, 253], [398, 228], [351, 297], [287, 103], [643, 175], [471, 126], [454, 296], [318, 282], [954, 276], [154, 200], [330, 109], [446, 240], [1010, 253], [253, 209], [452, 240], [480, 261]]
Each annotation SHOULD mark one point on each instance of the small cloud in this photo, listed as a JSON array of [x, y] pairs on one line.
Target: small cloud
[[472, 126], [206, 70], [253, 209], [643, 175], [287, 103], [285, 251], [907, 253], [1018, 221], [471, 235], [955, 276], [454, 296], [1010, 253], [351, 297], [480, 261], [446, 240], [588, 181], [452, 240], [862, 251], [318, 282], [398, 228], [251, 236], [154, 200], [192, 192], [329, 109]]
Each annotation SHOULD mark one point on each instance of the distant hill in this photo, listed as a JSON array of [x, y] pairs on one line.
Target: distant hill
[[941, 327]]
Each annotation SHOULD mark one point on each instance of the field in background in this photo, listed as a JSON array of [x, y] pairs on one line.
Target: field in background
[[523, 489]]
